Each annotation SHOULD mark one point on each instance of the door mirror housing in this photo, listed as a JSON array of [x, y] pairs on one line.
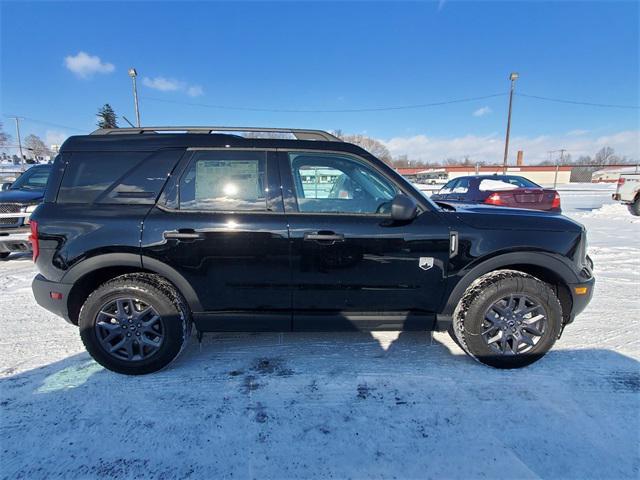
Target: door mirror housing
[[403, 208]]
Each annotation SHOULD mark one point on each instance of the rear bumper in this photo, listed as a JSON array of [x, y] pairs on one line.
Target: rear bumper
[[15, 240], [42, 289]]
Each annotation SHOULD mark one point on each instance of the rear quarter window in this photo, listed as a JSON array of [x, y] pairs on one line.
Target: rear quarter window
[[116, 177]]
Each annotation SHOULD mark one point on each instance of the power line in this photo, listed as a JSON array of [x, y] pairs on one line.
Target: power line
[[43, 122], [576, 102], [346, 110], [386, 108]]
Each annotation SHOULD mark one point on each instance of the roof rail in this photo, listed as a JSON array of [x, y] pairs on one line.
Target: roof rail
[[298, 134]]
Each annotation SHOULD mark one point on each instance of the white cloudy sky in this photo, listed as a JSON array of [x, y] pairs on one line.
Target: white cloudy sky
[[490, 148]]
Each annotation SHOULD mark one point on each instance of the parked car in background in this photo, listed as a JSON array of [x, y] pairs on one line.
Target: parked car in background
[[628, 192], [500, 190], [16, 204]]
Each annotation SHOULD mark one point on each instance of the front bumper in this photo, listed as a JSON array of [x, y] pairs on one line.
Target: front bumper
[[581, 294], [42, 289], [15, 240]]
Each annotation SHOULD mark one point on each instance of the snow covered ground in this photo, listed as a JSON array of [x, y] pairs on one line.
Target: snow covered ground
[[333, 405]]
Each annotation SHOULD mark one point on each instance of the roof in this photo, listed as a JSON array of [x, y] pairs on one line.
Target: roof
[[135, 141]]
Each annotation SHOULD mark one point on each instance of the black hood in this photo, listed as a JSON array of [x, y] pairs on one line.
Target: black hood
[[496, 218], [21, 196]]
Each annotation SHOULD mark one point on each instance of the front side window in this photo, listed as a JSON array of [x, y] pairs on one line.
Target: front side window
[[334, 183], [224, 181]]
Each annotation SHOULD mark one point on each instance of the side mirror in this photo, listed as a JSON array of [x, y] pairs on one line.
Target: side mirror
[[6, 186], [403, 208]]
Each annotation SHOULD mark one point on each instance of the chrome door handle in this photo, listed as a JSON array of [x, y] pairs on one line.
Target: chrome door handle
[[324, 237], [183, 235]]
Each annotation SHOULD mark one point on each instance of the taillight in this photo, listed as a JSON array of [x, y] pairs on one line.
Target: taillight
[[556, 201], [33, 238], [620, 180], [494, 199]]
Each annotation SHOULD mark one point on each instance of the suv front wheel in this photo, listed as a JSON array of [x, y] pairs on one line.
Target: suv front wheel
[[507, 319], [135, 324]]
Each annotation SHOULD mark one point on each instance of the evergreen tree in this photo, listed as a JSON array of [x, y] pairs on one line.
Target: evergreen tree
[[107, 117]]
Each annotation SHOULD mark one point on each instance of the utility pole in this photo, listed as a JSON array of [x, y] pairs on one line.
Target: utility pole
[[513, 77], [133, 74], [17, 119]]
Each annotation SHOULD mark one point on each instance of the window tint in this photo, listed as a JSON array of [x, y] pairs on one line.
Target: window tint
[[89, 174], [32, 179], [117, 177], [142, 184], [224, 181], [333, 183]]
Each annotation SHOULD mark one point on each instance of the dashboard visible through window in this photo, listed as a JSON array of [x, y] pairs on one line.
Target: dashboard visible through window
[[334, 183]]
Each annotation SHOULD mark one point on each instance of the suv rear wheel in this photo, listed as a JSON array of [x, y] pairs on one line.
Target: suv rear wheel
[[135, 324], [507, 319]]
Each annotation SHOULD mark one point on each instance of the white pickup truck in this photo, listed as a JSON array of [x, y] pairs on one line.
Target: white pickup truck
[[628, 192]]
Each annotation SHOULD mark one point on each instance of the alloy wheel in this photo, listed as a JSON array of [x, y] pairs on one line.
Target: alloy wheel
[[514, 324], [129, 329]]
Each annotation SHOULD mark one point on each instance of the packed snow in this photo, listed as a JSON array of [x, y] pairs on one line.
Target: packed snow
[[344, 405]]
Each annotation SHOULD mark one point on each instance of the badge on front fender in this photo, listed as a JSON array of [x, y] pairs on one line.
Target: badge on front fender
[[425, 263]]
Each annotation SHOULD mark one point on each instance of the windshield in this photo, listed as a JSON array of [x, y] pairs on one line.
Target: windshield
[[33, 179]]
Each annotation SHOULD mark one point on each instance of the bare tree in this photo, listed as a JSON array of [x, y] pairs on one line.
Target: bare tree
[[4, 137], [36, 146], [605, 156], [371, 145]]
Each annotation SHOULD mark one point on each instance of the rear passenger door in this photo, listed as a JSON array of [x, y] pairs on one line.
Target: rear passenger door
[[221, 226]]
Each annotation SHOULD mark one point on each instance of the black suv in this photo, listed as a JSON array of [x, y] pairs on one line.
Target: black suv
[[144, 232]]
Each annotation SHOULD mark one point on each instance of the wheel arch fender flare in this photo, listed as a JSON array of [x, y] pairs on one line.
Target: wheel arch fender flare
[[132, 260], [175, 277], [508, 261]]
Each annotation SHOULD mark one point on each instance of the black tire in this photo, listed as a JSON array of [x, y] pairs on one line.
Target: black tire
[[154, 291], [4, 254], [482, 294], [634, 208]]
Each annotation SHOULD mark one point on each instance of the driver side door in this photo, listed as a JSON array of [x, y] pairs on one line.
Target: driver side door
[[352, 267]]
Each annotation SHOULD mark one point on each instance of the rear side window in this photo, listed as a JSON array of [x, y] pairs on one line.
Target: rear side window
[[224, 181], [116, 177]]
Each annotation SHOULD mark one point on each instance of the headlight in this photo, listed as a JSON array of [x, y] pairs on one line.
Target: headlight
[[29, 210]]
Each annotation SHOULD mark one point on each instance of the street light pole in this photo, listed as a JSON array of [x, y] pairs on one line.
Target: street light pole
[[133, 74], [513, 77]]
